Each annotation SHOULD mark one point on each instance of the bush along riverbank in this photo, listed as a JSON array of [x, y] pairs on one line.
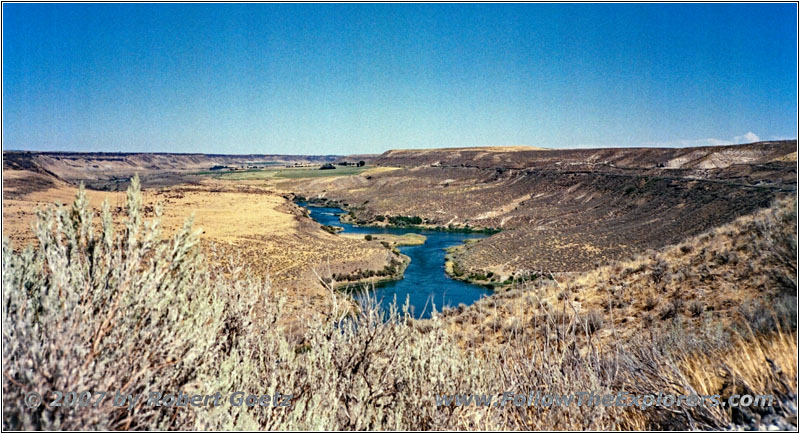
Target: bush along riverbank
[[392, 271], [354, 216], [493, 280]]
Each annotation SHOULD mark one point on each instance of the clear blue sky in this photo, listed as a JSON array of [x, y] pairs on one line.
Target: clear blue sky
[[325, 79]]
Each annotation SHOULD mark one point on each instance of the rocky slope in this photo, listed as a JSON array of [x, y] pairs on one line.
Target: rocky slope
[[565, 210], [708, 157]]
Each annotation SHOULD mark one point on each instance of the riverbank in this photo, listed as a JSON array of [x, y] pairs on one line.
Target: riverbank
[[487, 279], [395, 271], [391, 240], [392, 221], [496, 280], [415, 269], [410, 222]]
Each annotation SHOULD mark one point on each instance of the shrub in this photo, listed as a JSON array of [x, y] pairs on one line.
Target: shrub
[[368, 237], [650, 303], [674, 309], [405, 220], [107, 310], [594, 321], [332, 229], [658, 271], [696, 308], [458, 270], [123, 309], [99, 307]]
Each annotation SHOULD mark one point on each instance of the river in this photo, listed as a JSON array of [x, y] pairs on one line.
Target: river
[[424, 281]]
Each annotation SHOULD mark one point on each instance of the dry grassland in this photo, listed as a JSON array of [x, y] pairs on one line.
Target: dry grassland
[[266, 232]]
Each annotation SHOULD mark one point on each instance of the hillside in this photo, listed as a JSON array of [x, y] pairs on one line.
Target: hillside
[[563, 211], [742, 274], [622, 328], [716, 314], [708, 157], [111, 171], [290, 248]]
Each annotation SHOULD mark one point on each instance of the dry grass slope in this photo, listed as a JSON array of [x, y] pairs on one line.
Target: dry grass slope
[[97, 308]]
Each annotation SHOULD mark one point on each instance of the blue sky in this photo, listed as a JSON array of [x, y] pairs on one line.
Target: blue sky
[[339, 79]]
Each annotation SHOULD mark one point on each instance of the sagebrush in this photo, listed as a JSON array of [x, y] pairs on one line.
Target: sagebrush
[[102, 307]]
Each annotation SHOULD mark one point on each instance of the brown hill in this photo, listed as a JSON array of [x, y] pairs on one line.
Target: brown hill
[[565, 210], [710, 157], [737, 272], [110, 171]]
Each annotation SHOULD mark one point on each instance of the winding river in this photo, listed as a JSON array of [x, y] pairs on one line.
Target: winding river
[[425, 281]]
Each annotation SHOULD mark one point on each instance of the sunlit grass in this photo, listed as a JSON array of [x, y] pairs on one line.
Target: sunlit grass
[[292, 173]]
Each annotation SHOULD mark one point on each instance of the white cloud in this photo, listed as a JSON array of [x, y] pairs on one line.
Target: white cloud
[[750, 137]]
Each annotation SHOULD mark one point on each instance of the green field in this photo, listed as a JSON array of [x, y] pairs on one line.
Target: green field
[[301, 172]]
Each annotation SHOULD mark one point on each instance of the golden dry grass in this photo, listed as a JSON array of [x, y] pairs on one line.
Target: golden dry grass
[[788, 157], [270, 233], [749, 365], [391, 239], [711, 285], [377, 170], [476, 148]]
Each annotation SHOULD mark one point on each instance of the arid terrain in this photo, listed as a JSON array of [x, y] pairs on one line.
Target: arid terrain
[[619, 269], [565, 210], [250, 225], [556, 210]]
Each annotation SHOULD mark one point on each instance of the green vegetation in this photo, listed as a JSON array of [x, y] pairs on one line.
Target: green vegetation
[[123, 310], [391, 270], [477, 276], [291, 173], [405, 220], [99, 307], [465, 229], [332, 229], [360, 163]]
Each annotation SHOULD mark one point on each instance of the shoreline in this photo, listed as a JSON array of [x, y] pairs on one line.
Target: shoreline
[[349, 285], [395, 241], [349, 218]]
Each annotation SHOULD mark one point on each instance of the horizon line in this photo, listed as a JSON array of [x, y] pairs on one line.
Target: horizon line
[[499, 148]]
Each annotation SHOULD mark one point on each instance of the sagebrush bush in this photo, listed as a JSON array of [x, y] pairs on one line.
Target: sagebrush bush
[[105, 309], [98, 307], [100, 311]]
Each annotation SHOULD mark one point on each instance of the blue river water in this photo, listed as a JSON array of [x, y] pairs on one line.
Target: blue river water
[[424, 282]]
